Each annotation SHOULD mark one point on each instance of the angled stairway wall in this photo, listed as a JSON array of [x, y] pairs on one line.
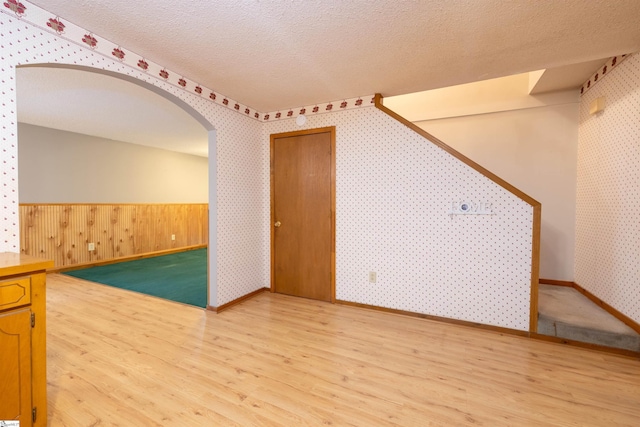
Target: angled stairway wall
[[394, 192], [529, 140]]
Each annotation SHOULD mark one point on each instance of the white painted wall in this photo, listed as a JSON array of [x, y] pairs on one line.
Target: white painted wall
[[534, 150], [488, 96], [608, 195], [531, 142], [64, 167]]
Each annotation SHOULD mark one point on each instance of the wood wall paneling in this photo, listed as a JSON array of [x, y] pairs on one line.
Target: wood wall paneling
[[62, 232]]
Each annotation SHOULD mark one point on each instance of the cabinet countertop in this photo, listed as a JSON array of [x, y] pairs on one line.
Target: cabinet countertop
[[14, 263]]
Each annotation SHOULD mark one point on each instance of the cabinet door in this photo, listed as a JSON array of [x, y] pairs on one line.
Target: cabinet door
[[15, 366]]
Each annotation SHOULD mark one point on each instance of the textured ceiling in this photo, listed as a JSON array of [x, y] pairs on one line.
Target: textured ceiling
[[277, 54]]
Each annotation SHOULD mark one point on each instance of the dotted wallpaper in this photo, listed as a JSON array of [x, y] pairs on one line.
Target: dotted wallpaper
[[394, 191], [237, 181], [608, 193]]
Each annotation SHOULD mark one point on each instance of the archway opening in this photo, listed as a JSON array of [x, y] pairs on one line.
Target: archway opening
[[101, 137]]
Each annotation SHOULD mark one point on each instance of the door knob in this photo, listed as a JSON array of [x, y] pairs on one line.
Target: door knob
[[277, 224]]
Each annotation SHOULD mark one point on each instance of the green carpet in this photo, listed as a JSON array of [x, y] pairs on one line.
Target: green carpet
[[178, 277]]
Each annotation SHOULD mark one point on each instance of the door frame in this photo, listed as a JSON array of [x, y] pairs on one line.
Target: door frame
[[332, 132]]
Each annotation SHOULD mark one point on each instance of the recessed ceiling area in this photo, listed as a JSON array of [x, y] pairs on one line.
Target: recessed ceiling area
[[108, 107], [567, 77], [279, 54]]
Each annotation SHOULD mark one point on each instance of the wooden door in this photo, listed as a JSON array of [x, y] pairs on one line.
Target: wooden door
[[302, 213], [15, 366]]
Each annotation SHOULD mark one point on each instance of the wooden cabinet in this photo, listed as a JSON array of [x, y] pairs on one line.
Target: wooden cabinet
[[15, 370], [23, 379]]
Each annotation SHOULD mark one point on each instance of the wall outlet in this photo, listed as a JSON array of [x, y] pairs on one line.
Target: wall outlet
[[173, 237], [372, 277], [92, 246]]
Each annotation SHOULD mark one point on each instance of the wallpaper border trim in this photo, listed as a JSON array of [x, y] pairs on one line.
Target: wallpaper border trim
[[602, 72], [45, 20], [84, 38]]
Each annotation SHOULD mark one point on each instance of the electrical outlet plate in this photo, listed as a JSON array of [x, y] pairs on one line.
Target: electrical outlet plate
[[173, 237], [372, 277], [92, 246]]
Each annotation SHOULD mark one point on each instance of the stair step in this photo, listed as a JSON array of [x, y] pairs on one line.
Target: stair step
[[566, 313]]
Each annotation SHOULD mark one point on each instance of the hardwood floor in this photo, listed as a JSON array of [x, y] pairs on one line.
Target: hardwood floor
[[119, 358]]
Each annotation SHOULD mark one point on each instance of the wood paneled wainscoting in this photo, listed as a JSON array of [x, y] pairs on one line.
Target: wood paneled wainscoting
[[63, 232]]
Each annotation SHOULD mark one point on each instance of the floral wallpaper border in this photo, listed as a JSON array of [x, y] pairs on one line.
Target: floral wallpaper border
[[602, 72], [327, 107], [45, 20]]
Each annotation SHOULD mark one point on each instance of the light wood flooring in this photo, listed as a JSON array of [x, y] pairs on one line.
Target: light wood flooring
[[119, 358]]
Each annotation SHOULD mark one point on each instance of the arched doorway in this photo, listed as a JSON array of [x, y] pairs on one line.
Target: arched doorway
[[88, 98]]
